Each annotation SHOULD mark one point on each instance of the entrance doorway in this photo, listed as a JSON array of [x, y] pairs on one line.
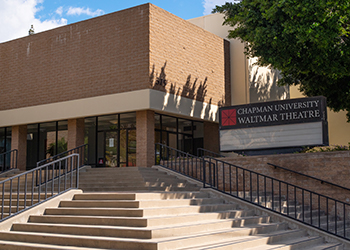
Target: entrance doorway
[[117, 148], [127, 148]]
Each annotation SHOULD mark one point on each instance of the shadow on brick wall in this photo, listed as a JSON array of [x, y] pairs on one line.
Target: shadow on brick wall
[[188, 98]]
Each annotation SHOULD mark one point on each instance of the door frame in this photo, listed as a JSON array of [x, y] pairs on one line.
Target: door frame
[[103, 132]]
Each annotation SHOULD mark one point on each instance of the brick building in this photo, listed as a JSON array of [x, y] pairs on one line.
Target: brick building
[[118, 82], [123, 81]]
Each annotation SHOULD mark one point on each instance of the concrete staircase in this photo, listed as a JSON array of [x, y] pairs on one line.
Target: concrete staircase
[[153, 210], [131, 179]]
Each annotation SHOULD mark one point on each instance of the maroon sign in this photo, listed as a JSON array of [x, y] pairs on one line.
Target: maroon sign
[[228, 117]]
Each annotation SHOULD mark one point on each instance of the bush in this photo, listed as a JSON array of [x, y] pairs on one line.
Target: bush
[[326, 149]]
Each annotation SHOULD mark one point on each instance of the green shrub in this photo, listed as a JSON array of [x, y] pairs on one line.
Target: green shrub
[[331, 148]]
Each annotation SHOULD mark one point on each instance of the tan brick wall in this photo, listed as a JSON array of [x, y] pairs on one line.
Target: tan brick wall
[[75, 133], [211, 137], [111, 54], [329, 166], [19, 142], [188, 60], [99, 56], [145, 138]]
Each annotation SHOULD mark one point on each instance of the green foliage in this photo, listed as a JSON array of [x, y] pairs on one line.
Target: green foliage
[[326, 149], [308, 41], [61, 147], [331, 148]]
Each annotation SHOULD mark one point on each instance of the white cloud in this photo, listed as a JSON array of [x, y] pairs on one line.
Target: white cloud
[[59, 11], [209, 5], [18, 15], [86, 11]]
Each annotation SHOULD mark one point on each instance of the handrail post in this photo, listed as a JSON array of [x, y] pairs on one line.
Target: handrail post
[[204, 174], [155, 154], [77, 172]]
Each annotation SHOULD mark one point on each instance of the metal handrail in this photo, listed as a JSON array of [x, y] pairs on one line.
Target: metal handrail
[[309, 199], [81, 150], [201, 151], [55, 181], [311, 177], [13, 155], [313, 209], [191, 165]]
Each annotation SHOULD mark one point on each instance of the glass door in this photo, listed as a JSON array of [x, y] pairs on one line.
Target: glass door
[[111, 149], [127, 147], [131, 147], [116, 148]]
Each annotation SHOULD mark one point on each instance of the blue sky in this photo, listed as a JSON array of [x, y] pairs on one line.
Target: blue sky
[[16, 16]]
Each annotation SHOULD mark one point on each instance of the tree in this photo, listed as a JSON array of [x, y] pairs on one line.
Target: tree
[[308, 41]]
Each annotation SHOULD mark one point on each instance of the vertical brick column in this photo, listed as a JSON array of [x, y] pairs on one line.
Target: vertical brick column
[[211, 136], [19, 142], [144, 138], [75, 133]]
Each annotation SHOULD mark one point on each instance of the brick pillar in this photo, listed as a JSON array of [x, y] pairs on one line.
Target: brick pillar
[[19, 142], [211, 137], [145, 138], [75, 133]]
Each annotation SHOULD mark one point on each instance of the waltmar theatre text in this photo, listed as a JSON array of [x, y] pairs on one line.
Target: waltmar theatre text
[[286, 111], [301, 110]]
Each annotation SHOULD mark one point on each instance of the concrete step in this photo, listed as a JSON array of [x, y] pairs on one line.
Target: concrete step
[[148, 212], [22, 195], [140, 203], [327, 246], [143, 222], [21, 202], [262, 198], [103, 180], [13, 209], [140, 196], [12, 245], [304, 242], [244, 241], [138, 188], [141, 233], [122, 169], [136, 184]]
